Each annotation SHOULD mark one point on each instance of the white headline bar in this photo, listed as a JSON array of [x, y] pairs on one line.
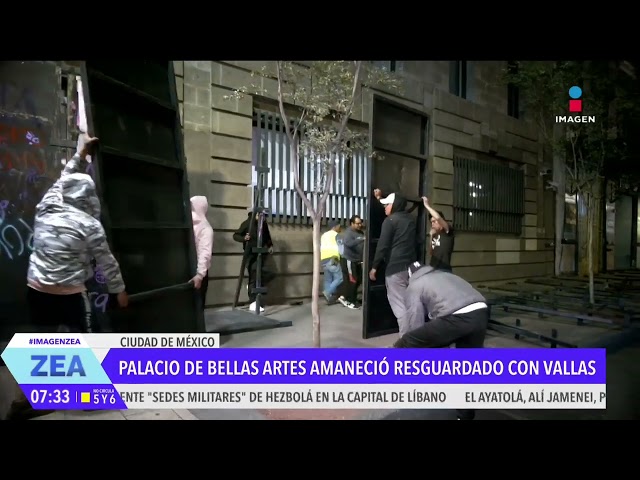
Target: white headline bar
[[364, 396]]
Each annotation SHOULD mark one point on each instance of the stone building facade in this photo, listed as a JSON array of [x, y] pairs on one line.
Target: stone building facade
[[469, 120]]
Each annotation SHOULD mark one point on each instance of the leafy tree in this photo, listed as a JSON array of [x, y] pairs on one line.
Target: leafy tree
[[589, 148], [316, 103]]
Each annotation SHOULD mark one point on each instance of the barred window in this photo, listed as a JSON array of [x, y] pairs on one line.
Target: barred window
[[487, 197], [271, 148]]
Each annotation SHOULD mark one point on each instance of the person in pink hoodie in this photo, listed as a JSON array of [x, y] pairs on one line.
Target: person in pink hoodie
[[203, 235]]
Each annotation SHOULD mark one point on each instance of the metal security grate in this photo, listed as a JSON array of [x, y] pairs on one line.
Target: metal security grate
[[271, 148], [141, 176], [487, 197]]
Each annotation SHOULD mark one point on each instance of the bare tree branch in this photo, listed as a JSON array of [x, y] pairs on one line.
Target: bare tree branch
[[320, 136], [295, 153], [343, 125]]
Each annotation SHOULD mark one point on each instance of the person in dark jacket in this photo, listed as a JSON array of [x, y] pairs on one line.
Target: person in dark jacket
[[397, 250], [247, 234], [353, 240], [443, 309]]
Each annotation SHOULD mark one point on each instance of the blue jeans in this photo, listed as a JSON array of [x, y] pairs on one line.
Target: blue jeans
[[332, 276]]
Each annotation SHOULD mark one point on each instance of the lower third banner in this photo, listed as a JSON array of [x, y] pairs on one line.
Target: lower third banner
[[108, 371]]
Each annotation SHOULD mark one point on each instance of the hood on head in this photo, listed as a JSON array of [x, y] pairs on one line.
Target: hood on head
[[199, 207], [79, 191], [399, 204]]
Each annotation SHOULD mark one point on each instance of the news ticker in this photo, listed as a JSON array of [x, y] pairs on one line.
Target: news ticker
[[114, 371]]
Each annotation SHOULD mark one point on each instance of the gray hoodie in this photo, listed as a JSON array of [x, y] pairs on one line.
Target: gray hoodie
[[353, 244], [67, 233], [436, 293]]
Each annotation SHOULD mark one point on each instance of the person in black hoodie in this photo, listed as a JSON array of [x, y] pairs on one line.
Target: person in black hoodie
[[247, 234], [397, 250]]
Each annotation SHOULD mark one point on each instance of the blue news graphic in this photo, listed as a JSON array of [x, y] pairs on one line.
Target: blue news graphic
[[74, 397], [355, 366], [42, 366], [84, 371], [61, 374]]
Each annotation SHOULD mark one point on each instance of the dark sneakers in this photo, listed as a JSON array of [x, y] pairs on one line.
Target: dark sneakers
[[332, 300], [346, 303]]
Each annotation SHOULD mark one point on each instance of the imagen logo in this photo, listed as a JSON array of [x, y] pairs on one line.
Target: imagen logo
[[575, 108], [575, 104]]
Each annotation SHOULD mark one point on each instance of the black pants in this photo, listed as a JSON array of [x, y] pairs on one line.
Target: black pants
[[204, 286], [467, 330], [352, 274], [266, 276], [59, 313]]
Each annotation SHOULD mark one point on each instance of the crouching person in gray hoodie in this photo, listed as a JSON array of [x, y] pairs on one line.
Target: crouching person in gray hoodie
[[443, 309]]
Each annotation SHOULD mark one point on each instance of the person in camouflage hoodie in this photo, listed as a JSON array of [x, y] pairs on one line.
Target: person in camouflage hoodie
[[67, 234]]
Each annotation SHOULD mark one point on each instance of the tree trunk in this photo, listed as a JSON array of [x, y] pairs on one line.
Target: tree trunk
[[590, 225], [315, 287], [582, 228], [559, 177]]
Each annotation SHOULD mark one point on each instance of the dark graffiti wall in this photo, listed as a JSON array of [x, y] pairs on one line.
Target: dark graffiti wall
[[39, 108], [33, 144]]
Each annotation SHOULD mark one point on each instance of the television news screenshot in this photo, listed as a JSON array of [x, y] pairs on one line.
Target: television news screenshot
[[319, 240]]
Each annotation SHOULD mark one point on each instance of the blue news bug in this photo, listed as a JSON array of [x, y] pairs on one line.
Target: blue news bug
[[58, 366]]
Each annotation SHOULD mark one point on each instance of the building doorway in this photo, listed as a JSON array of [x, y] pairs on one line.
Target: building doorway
[[400, 140]]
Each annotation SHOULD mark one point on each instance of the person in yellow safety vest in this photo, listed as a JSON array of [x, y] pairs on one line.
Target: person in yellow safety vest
[[330, 262]]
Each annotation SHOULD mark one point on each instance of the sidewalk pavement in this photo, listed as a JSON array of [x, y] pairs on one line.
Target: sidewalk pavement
[[342, 328], [120, 415]]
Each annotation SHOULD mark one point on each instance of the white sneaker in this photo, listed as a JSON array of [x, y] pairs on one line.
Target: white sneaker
[[253, 306], [343, 301]]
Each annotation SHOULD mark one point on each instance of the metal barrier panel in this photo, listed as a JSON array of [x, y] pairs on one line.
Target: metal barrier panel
[[398, 136], [141, 178]]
